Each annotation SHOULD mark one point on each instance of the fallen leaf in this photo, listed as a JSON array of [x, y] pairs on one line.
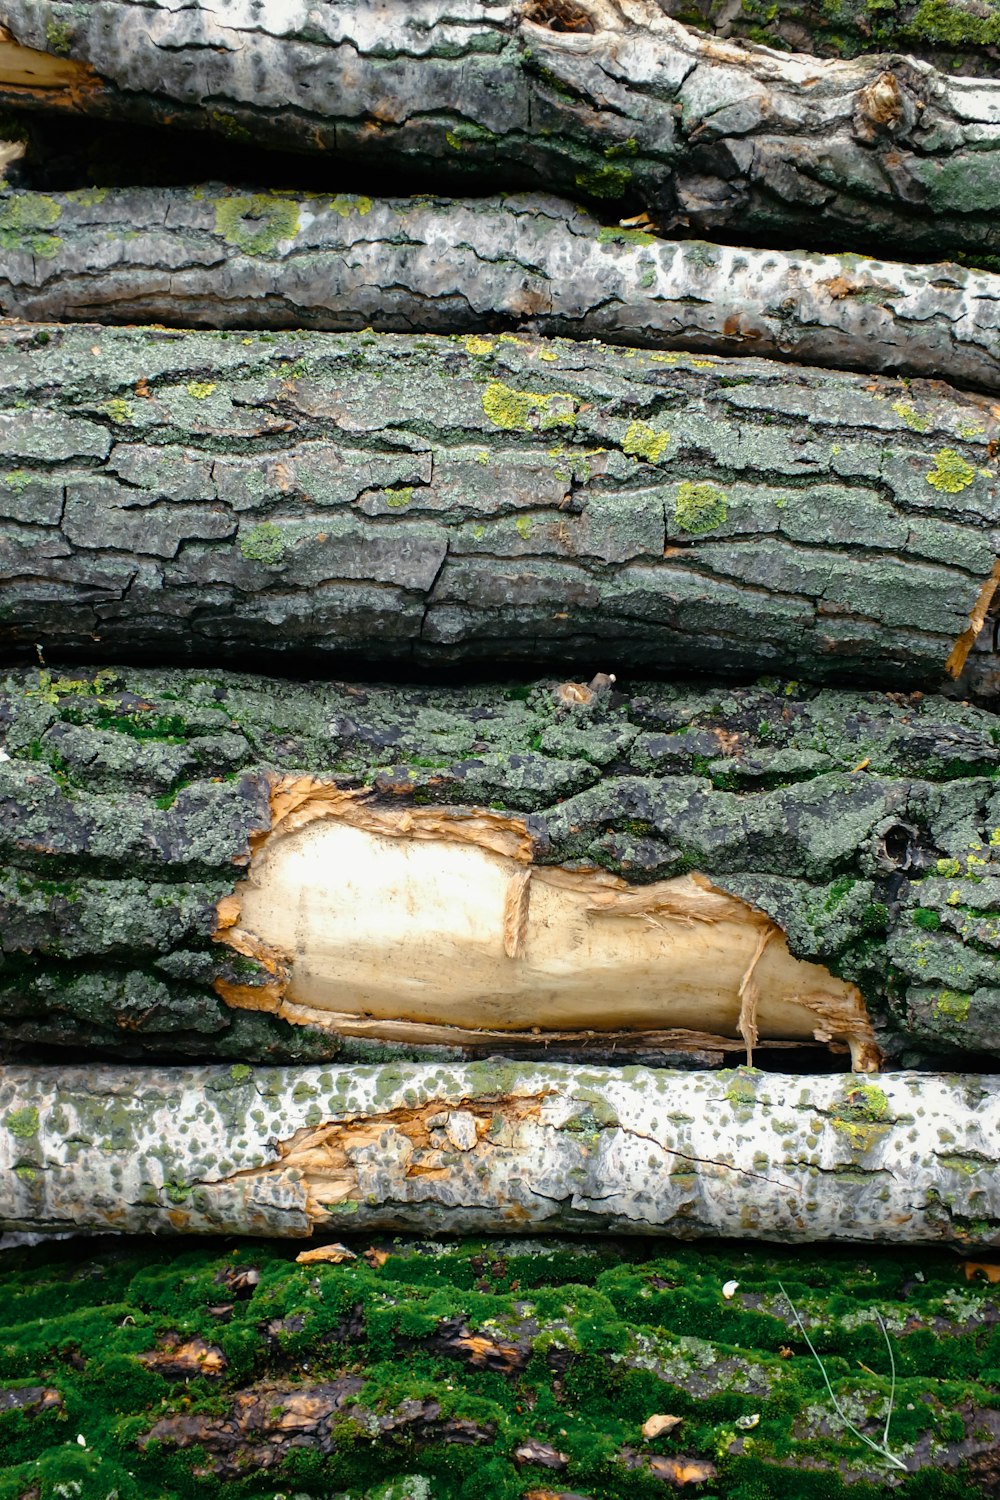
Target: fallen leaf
[[375, 1258], [729, 1290], [992, 1273], [334, 1254], [659, 1422]]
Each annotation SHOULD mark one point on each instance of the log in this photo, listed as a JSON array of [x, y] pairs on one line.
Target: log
[[489, 1147], [608, 99], [216, 258], [533, 1367], [433, 501], [957, 36], [204, 864]]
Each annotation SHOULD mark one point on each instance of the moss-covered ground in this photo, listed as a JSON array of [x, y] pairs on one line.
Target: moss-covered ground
[[417, 1371]]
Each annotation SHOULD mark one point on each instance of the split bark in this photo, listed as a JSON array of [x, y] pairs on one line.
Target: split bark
[[549, 1367], [431, 501], [203, 864], [216, 258], [485, 1147], [606, 98]]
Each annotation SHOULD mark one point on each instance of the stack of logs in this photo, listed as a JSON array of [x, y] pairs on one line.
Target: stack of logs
[[676, 560]]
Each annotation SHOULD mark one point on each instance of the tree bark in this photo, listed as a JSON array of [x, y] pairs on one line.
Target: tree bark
[[958, 36], [205, 864], [435, 501], [216, 258], [610, 99], [531, 1366], [489, 1147]]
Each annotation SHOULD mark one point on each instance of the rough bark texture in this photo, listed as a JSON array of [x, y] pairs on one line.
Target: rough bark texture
[[213, 257], [605, 98], [959, 36], [866, 827], [429, 500], [504, 1368], [490, 1147]]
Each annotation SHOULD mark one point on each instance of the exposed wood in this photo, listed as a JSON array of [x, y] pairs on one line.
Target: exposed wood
[[215, 865], [527, 1367], [213, 257], [609, 99], [489, 1147], [435, 500]]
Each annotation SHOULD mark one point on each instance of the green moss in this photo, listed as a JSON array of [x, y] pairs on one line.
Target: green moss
[[240, 1072], [523, 526], [699, 507], [643, 441], [24, 218], [264, 544], [526, 410], [200, 389], [58, 37], [924, 917], [608, 236], [954, 25], [18, 480], [256, 225], [23, 1123], [604, 181], [950, 473]]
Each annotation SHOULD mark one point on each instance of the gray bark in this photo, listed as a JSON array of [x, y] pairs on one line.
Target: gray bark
[[430, 501], [865, 827], [213, 257], [623, 104], [445, 1149]]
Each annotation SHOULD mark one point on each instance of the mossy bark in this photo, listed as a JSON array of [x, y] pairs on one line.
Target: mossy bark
[[495, 1147], [373, 497], [217, 258], [866, 827], [957, 36], [606, 99], [433, 1371]]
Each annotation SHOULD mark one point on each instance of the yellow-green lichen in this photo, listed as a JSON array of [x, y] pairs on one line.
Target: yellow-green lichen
[[24, 218], [200, 389], [699, 507], [951, 1005], [88, 197], [476, 345], [23, 1122], [58, 37], [264, 544], [349, 203], [643, 441], [398, 499], [909, 414], [950, 473], [526, 410], [523, 526], [257, 224], [17, 480], [118, 410]]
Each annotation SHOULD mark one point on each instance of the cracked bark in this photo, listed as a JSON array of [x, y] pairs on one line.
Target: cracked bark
[[490, 1147], [627, 105], [426, 500], [161, 829], [213, 257]]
